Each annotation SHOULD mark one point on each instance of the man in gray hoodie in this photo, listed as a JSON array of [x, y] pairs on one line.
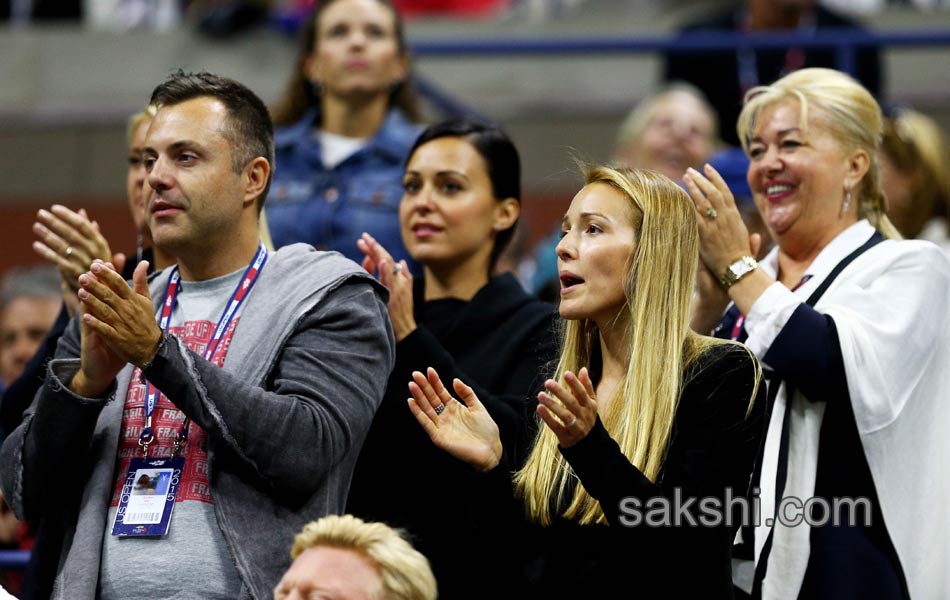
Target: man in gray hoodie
[[244, 406]]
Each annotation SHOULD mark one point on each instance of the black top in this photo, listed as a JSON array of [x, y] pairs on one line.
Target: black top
[[719, 74], [500, 343], [711, 453]]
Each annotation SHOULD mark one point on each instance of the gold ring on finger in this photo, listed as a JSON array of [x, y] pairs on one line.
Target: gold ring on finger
[[711, 213], [68, 252]]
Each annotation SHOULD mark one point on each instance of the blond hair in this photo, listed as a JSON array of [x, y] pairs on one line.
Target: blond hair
[[636, 120], [916, 144], [661, 275], [847, 109], [146, 114], [405, 572]]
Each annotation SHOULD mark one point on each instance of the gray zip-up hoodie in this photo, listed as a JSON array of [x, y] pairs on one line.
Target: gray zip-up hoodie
[[285, 419]]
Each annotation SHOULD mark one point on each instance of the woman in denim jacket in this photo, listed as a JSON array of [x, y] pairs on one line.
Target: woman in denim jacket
[[344, 129]]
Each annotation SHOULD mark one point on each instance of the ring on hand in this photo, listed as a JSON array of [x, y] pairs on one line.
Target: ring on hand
[[397, 268], [439, 409], [572, 423], [68, 251], [711, 213]]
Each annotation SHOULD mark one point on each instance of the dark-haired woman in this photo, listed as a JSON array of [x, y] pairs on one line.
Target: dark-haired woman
[[344, 129], [461, 203]]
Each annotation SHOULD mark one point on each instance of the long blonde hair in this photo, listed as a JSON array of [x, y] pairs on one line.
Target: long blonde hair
[[660, 277], [850, 112]]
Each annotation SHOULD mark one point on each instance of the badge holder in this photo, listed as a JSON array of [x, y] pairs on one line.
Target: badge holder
[[148, 493]]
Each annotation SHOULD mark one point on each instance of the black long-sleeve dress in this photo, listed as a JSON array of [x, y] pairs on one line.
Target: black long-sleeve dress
[[713, 447], [500, 343]]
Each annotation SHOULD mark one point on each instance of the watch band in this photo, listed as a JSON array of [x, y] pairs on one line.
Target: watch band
[[737, 270]]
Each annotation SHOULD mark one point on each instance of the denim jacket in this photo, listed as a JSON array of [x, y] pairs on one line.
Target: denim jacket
[[330, 208]]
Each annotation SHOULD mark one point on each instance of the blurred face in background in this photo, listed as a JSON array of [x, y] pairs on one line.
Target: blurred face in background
[[898, 186], [678, 133], [135, 179], [357, 51], [24, 323]]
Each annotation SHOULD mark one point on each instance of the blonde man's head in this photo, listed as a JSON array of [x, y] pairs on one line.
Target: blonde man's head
[[349, 543]]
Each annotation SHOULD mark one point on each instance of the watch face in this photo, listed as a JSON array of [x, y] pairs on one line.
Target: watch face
[[737, 269], [740, 268]]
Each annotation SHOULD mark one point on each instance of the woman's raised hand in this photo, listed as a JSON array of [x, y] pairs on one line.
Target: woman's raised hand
[[723, 236], [570, 412], [466, 431], [71, 241], [397, 279]]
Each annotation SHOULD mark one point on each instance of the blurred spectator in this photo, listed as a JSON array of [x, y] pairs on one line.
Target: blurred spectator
[[867, 7], [29, 302], [123, 15], [458, 8], [13, 536], [914, 162], [346, 558], [725, 77], [667, 132], [291, 15], [344, 128], [224, 18], [21, 12]]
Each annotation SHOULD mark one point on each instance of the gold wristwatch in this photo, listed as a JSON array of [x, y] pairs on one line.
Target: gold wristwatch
[[737, 270]]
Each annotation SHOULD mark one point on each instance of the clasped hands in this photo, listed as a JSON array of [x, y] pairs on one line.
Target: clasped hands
[[117, 326], [466, 430]]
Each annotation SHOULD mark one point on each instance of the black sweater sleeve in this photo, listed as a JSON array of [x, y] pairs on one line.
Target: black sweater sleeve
[[712, 449], [510, 408]]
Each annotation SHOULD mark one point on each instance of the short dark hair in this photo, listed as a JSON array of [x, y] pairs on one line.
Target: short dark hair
[[250, 130], [500, 156]]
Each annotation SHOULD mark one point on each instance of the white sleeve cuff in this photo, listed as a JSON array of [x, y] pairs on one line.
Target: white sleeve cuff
[[768, 316]]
